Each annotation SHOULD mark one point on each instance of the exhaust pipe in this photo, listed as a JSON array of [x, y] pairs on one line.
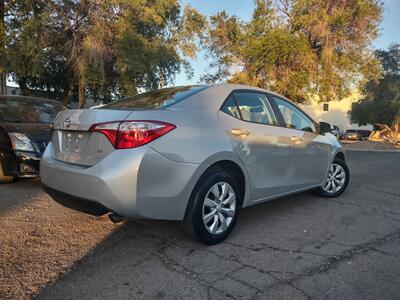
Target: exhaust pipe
[[115, 218]]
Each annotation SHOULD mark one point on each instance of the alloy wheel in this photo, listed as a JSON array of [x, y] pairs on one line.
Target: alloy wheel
[[219, 208], [335, 180]]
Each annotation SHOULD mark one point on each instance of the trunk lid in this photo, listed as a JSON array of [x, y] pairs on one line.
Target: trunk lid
[[82, 119], [74, 143]]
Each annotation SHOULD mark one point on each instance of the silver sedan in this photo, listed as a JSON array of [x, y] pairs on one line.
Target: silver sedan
[[196, 154]]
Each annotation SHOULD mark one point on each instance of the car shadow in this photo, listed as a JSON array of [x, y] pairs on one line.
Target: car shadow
[[140, 258]]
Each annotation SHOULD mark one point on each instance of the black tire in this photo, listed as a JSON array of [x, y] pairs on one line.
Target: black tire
[[3, 178], [321, 192], [193, 224]]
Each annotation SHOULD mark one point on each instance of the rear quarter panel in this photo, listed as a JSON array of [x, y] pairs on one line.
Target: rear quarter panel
[[197, 139], [197, 136]]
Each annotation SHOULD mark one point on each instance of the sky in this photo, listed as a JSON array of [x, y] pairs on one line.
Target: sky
[[390, 27]]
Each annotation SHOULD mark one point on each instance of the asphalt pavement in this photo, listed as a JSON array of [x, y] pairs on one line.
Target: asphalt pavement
[[298, 247]]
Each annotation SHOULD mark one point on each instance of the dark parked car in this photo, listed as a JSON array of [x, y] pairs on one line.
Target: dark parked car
[[25, 130], [357, 134]]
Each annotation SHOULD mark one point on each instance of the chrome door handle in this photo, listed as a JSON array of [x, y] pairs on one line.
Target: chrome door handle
[[239, 132]]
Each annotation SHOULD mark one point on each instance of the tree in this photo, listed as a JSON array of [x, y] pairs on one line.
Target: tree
[[3, 73], [34, 53], [380, 105], [101, 49], [301, 48]]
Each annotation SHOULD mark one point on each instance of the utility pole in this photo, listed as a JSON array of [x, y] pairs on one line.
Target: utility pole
[[3, 73]]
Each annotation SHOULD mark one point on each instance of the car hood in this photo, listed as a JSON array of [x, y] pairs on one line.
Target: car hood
[[37, 132]]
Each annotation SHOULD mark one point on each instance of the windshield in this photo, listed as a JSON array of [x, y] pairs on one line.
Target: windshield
[[156, 99], [19, 110]]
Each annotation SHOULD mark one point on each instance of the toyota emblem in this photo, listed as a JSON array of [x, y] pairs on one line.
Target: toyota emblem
[[67, 123]]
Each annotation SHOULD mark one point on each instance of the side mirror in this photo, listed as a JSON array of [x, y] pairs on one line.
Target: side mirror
[[324, 127]]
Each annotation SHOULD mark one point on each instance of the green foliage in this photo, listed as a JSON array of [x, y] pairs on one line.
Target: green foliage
[[381, 101], [102, 49], [390, 59], [106, 49], [299, 48]]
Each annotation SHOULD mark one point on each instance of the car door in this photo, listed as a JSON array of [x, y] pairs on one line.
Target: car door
[[310, 150], [261, 144]]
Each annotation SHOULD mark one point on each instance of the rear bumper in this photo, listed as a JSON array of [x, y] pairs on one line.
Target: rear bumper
[[134, 183], [76, 203]]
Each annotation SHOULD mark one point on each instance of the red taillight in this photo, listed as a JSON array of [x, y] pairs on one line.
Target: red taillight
[[132, 134]]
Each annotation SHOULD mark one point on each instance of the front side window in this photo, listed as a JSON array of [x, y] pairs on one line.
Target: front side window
[[255, 107], [293, 117]]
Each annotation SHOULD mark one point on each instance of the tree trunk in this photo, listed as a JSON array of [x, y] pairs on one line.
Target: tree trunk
[[70, 92], [3, 86], [161, 82], [24, 87], [3, 73], [107, 96], [81, 92]]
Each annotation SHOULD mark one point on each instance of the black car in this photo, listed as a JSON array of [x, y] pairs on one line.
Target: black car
[[25, 130], [357, 134]]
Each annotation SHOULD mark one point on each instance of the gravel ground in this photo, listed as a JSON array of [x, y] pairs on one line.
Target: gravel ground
[[40, 240], [298, 247]]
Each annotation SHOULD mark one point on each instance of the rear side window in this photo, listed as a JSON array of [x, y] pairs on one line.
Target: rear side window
[[230, 108], [157, 99], [255, 107]]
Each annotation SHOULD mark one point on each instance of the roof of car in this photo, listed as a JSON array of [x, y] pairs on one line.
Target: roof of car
[[236, 86], [27, 98]]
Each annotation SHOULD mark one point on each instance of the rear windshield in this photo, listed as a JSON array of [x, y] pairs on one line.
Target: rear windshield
[[156, 99], [350, 131], [17, 110]]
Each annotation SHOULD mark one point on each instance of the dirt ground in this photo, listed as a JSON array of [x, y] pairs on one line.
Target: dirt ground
[[39, 239]]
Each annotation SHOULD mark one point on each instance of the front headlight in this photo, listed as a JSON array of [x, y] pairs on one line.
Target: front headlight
[[21, 142]]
